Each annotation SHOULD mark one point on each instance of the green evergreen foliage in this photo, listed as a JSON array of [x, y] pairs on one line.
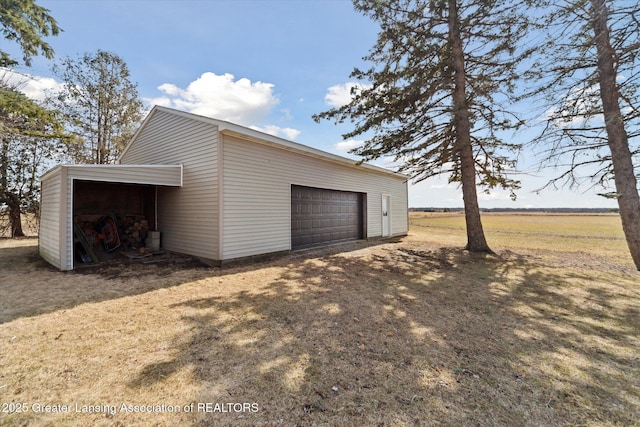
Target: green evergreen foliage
[[26, 23], [438, 94], [407, 98], [30, 137]]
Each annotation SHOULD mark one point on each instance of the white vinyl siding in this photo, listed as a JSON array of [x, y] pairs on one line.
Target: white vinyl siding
[[67, 226], [257, 183], [224, 191], [187, 216], [170, 175], [49, 234]]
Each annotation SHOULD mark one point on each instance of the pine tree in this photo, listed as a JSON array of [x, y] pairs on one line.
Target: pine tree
[[29, 135], [591, 80], [438, 94], [26, 23]]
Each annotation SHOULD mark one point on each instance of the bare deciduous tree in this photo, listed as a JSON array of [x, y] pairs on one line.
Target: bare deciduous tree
[[101, 103]]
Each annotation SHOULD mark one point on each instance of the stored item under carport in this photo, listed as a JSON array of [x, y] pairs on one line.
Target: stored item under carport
[[109, 229]]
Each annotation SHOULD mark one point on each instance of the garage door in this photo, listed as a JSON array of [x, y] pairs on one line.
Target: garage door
[[320, 216]]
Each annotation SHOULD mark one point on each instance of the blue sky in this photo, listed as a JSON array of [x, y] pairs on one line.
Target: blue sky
[[268, 64]]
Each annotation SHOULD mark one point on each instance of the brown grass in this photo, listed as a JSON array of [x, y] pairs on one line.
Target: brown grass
[[414, 332]]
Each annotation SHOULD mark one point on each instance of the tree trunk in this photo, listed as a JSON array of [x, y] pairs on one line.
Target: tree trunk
[[624, 176], [15, 218], [6, 196], [476, 241]]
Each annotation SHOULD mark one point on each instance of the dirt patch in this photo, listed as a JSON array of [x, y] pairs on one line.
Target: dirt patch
[[402, 333], [164, 265]]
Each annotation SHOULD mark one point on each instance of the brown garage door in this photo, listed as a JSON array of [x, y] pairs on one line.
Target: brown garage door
[[320, 216]]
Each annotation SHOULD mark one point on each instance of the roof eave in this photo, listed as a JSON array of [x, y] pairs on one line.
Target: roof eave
[[281, 143]]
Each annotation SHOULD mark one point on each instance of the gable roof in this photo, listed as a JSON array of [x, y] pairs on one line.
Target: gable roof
[[242, 132]]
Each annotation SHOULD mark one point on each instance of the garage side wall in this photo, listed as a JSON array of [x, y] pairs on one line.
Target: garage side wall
[[187, 216], [256, 195], [49, 236]]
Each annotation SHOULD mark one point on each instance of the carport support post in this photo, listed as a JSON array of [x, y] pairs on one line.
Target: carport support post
[[155, 212]]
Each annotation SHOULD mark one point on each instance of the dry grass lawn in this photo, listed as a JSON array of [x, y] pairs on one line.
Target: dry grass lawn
[[404, 333]]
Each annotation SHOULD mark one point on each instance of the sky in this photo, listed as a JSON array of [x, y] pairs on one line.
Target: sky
[[265, 64]]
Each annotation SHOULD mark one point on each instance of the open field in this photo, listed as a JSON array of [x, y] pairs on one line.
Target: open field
[[590, 235], [403, 333]]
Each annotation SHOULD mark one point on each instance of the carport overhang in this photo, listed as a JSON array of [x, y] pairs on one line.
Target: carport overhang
[[166, 175], [101, 175]]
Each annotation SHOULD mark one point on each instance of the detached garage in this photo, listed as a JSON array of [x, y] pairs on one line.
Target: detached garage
[[224, 192]]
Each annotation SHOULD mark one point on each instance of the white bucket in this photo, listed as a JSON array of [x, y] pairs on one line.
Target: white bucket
[[154, 240]]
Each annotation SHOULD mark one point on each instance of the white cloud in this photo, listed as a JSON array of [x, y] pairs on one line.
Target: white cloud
[[495, 194], [239, 101], [346, 146], [35, 87], [169, 89], [223, 97], [220, 97], [274, 130], [580, 106], [387, 162], [290, 133], [162, 101], [340, 95]]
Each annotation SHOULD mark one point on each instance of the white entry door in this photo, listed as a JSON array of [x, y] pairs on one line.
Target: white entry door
[[386, 216]]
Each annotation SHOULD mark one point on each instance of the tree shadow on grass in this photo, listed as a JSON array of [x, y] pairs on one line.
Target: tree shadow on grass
[[404, 336], [29, 286]]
